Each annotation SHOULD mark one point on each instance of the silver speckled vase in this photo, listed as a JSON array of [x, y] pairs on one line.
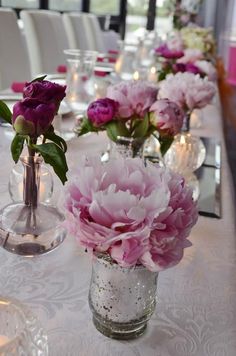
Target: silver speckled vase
[[122, 300]]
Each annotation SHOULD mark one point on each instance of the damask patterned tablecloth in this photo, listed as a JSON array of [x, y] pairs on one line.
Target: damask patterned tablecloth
[[196, 307]]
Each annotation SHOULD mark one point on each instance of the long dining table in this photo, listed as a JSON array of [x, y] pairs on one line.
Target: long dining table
[[196, 300]]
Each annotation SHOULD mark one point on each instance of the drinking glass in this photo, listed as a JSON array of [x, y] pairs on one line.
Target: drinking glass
[[80, 87]]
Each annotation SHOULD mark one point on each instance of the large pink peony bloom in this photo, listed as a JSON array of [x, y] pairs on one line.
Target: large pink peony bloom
[[187, 90], [127, 215], [167, 116], [134, 98], [171, 228]]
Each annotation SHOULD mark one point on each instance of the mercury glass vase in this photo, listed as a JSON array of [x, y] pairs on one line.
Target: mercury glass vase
[[20, 332], [127, 147], [122, 300], [28, 227]]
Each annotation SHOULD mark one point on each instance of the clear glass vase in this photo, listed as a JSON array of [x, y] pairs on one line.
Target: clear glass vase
[[31, 228], [20, 332], [16, 184], [122, 300]]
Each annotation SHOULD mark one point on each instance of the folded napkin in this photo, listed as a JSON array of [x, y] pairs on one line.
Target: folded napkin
[[100, 73], [106, 59], [61, 69], [112, 51], [18, 87]]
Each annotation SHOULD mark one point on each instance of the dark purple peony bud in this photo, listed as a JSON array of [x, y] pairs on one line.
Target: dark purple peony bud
[[191, 68], [32, 117], [46, 92], [102, 111]]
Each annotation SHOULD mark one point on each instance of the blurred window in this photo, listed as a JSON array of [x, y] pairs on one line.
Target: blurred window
[[20, 4], [65, 5], [102, 7]]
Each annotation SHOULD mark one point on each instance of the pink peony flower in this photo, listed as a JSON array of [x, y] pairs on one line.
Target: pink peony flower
[[167, 117], [171, 228], [134, 98], [187, 90], [102, 111], [140, 216], [208, 69], [175, 43], [190, 56]]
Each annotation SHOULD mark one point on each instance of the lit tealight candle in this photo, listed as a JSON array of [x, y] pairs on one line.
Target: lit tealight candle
[[3, 340], [136, 75], [152, 75]]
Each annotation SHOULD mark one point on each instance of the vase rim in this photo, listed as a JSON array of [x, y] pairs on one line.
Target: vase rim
[[105, 258]]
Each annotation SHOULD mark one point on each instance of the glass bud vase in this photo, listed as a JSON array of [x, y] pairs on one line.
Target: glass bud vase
[[122, 300], [31, 228]]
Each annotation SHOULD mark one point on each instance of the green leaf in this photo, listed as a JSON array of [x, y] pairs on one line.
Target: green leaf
[[5, 112], [50, 135], [54, 155], [116, 128], [39, 79], [17, 146], [141, 127], [162, 75], [165, 142], [86, 127]]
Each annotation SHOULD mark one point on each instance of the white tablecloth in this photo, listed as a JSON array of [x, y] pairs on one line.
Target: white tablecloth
[[196, 309]]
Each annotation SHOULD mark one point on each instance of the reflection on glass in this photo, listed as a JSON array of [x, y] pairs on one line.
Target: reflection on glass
[[33, 4], [65, 5], [101, 7]]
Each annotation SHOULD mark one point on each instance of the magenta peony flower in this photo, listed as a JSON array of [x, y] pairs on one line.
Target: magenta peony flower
[[102, 111], [167, 117], [166, 52], [45, 91], [140, 216], [134, 98], [32, 117], [187, 90]]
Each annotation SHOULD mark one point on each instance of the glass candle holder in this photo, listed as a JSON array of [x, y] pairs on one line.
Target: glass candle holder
[[20, 331]]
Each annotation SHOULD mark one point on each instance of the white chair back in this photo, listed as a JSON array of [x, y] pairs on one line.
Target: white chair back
[[46, 39], [14, 61], [84, 32], [96, 33], [78, 32]]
